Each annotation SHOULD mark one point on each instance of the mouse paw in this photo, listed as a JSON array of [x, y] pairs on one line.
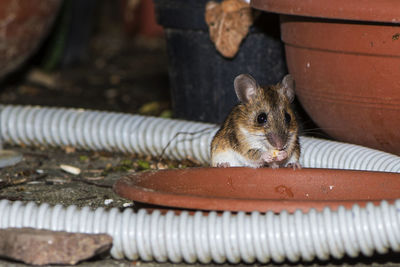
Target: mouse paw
[[274, 165], [267, 157], [223, 165], [281, 155], [294, 165]]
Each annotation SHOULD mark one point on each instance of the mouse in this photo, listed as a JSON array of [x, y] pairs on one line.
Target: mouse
[[261, 130]]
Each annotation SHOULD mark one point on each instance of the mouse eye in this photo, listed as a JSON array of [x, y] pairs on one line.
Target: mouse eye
[[288, 118], [262, 118]]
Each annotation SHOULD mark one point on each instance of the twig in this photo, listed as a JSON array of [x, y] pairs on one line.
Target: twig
[[24, 180], [90, 182]]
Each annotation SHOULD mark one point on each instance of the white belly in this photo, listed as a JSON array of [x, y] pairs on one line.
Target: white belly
[[233, 158]]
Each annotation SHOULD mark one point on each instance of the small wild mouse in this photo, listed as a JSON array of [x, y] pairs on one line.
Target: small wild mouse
[[261, 130]]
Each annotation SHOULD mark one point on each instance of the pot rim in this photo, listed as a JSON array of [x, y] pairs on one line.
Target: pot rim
[[150, 187], [362, 10]]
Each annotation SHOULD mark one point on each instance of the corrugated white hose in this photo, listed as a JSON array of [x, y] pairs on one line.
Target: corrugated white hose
[[229, 237], [151, 136], [187, 237]]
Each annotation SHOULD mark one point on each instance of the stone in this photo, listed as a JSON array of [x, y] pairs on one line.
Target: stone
[[41, 247]]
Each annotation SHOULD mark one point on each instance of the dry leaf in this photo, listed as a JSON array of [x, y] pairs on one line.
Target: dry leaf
[[233, 5], [228, 24], [69, 149]]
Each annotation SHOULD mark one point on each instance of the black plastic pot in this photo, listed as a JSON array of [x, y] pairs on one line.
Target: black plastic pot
[[201, 78]]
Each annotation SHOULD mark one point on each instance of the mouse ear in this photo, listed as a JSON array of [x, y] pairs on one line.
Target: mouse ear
[[287, 87], [245, 87]]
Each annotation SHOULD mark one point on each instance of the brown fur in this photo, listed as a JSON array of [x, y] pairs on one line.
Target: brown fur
[[273, 102]]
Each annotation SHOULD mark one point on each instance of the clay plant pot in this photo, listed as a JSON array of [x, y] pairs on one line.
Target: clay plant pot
[[139, 18], [345, 59], [263, 189], [23, 25]]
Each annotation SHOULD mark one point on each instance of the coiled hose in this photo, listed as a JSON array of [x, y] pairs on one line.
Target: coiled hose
[[173, 139], [229, 237], [199, 237]]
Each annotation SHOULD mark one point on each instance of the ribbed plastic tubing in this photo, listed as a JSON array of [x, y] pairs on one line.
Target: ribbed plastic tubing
[[159, 137], [231, 237], [225, 237]]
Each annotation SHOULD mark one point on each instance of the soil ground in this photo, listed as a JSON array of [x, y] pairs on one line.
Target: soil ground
[[124, 75]]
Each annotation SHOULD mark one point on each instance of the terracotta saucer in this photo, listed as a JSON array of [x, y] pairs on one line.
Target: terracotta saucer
[[264, 189]]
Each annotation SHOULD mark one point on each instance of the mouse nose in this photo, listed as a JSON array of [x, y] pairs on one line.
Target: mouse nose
[[276, 141]]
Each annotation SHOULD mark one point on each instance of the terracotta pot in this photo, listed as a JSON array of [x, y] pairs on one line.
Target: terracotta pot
[[247, 189], [139, 18], [346, 71], [23, 25]]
